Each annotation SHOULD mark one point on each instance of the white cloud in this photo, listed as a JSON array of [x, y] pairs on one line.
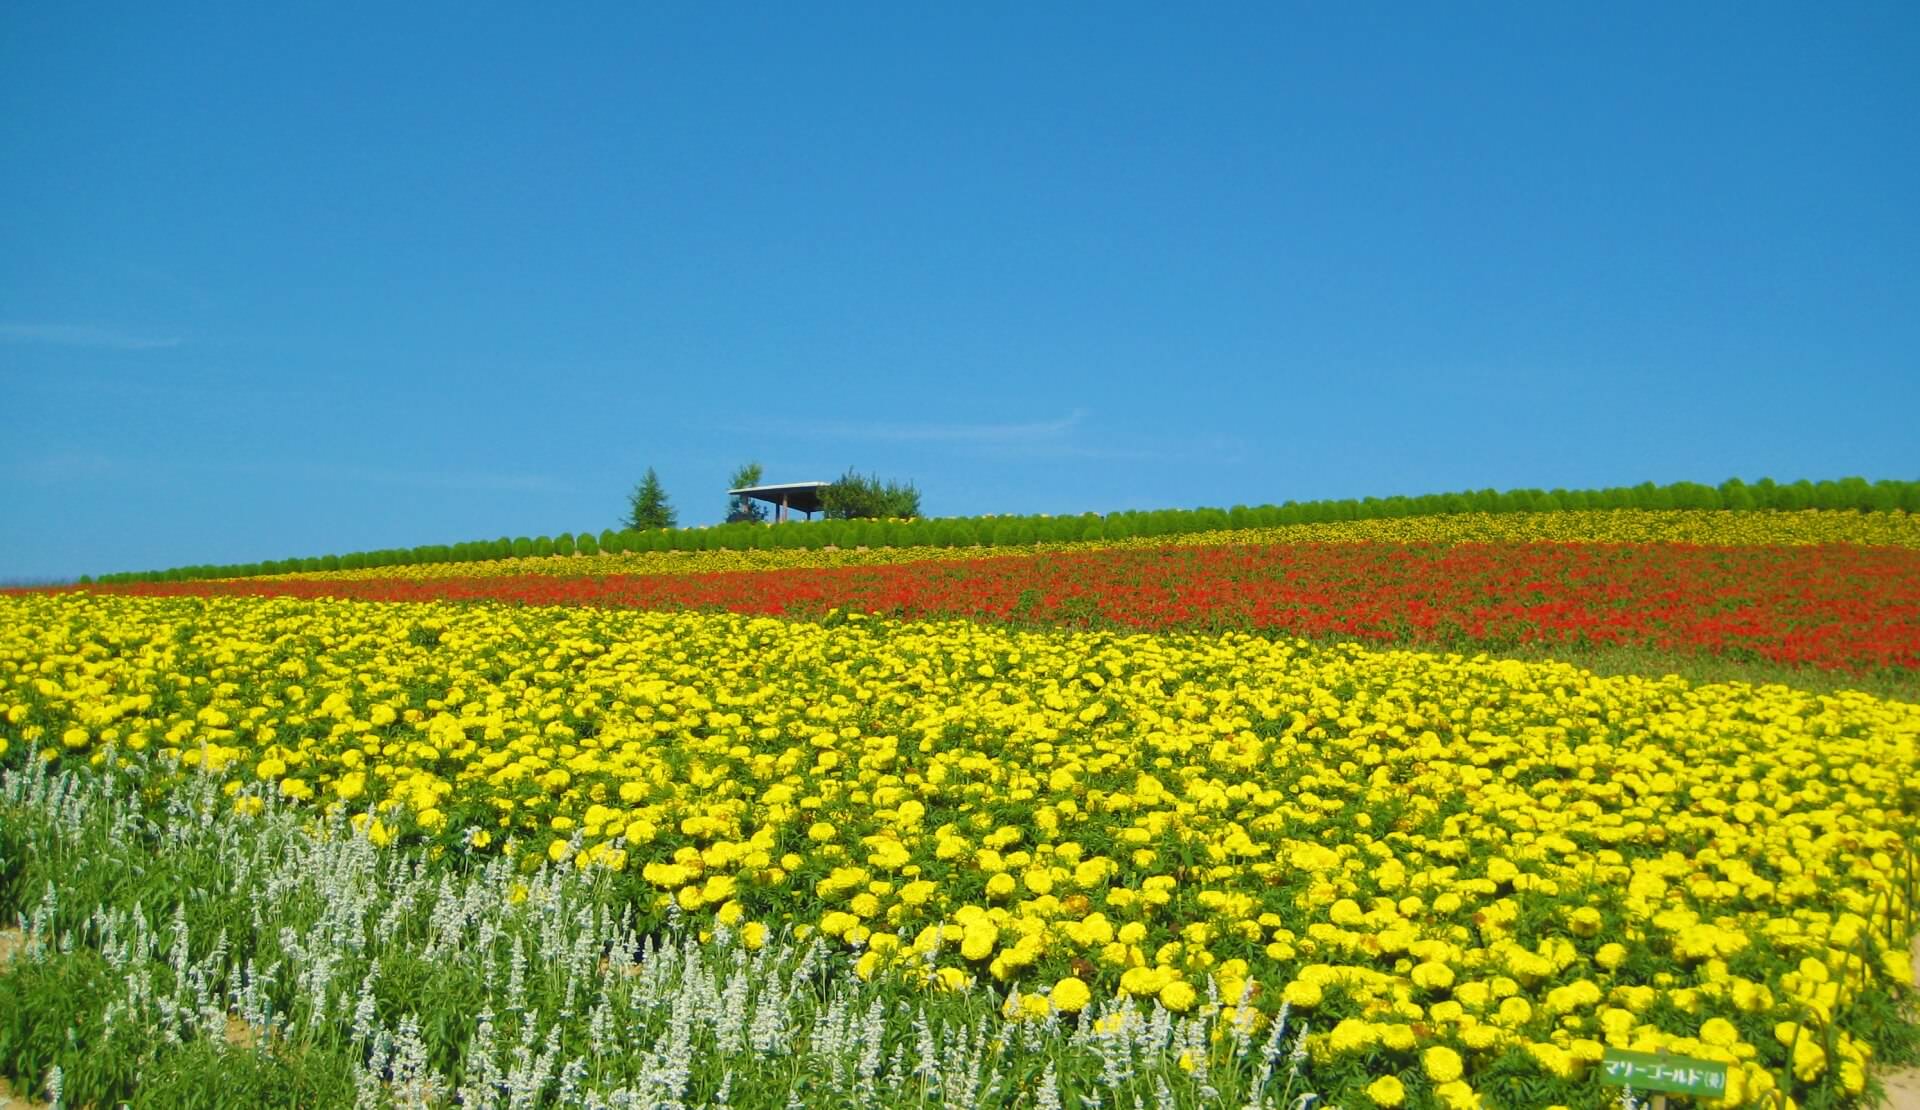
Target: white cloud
[[83, 335], [480, 481], [61, 466], [1057, 439], [1034, 432]]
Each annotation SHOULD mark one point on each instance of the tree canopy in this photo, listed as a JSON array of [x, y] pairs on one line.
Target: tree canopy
[[648, 507], [856, 496], [745, 508]]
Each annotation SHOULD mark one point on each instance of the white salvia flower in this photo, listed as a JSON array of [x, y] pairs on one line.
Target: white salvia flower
[[517, 978], [1244, 1019], [600, 1023], [730, 1027], [178, 957], [570, 1078], [364, 1007], [56, 1081], [413, 1083], [827, 1028], [961, 1084], [319, 981], [368, 1085], [480, 1067], [1159, 1030], [873, 1042], [1269, 1058], [1047, 1095]]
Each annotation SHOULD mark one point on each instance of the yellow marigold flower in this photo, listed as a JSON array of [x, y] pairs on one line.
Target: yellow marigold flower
[[1853, 1076], [1387, 1091], [1351, 1035], [1719, 1032], [1515, 1010], [1070, 995], [1442, 1064], [1302, 995], [1178, 996], [977, 942], [1556, 1060]]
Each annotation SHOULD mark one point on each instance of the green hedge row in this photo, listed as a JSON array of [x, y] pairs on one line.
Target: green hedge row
[[1007, 531]]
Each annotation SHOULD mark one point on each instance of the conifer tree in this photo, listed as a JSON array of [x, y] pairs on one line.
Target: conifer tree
[[648, 506]]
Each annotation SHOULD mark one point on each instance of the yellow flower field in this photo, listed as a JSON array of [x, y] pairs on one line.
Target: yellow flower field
[[1889, 529], [1446, 864]]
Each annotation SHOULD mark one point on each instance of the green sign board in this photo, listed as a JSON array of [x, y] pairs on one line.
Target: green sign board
[[1647, 1071]]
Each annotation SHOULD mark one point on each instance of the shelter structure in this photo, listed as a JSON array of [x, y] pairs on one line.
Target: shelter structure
[[790, 497]]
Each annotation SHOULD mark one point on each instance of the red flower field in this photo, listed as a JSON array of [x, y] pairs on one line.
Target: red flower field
[[1842, 606]]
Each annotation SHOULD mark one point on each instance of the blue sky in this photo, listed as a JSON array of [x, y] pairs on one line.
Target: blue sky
[[281, 280]]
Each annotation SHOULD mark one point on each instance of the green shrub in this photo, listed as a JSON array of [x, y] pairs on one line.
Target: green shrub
[[50, 1017], [857, 496]]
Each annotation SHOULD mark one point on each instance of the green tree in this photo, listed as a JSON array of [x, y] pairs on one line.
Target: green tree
[[745, 508], [856, 496], [647, 506]]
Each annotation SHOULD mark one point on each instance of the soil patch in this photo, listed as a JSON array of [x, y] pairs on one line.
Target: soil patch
[[1903, 1084], [11, 1101]]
